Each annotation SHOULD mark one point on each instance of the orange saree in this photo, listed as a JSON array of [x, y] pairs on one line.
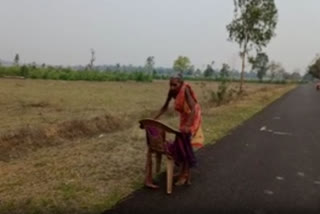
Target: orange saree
[[183, 108]]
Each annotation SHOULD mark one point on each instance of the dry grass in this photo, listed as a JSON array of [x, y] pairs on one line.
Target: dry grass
[[89, 139]]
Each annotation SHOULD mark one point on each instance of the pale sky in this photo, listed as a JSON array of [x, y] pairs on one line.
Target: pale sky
[[62, 32]]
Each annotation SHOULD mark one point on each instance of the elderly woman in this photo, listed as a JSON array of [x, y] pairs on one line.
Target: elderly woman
[[189, 109]]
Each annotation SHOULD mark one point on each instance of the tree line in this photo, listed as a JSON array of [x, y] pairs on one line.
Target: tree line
[[252, 28]]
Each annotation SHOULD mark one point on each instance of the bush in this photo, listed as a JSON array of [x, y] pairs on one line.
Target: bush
[[24, 71], [224, 94], [142, 77]]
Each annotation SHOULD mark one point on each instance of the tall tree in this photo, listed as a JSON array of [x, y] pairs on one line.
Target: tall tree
[[225, 71], [182, 64], [16, 59], [274, 69], [92, 59], [252, 27], [260, 65], [314, 68], [150, 65], [209, 72], [198, 72]]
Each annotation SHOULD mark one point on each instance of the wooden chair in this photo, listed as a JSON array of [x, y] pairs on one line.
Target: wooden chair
[[157, 143]]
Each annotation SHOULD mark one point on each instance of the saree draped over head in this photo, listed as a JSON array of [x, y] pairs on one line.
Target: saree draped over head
[[183, 108]]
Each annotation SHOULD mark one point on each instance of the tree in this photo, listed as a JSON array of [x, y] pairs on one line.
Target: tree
[[209, 72], [198, 72], [252, 27], [314, 68], [274, 68], [24, 71], [150, 65], [118, 67], [296, 76], [225, 71], [282, 72], [260, 65], [190, 71], [16, 60], [92, 59], [285, 75], [182, 64]]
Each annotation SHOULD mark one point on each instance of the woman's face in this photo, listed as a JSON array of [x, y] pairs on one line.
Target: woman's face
[[175, 85]]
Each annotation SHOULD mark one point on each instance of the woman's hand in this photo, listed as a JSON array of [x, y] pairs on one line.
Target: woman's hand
[[186, 130], [164, 107]]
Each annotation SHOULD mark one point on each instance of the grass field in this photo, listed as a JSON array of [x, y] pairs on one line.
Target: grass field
[[75, 147]]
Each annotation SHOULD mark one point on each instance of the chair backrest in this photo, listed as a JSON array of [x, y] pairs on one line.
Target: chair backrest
[[156, 134]]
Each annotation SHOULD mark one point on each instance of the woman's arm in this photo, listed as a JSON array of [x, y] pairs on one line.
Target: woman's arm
[[164, 107]]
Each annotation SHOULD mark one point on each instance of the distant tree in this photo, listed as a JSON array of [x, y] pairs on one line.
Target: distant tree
[[209, 72], [182, 64], [190, 71], [33, 65], [285, 75], [225, 71], [118, 66], [274, 69], [24, 71], [92, 59], [282, 73], [198, 72], [252, 27], [16, 59], [296, 76], [307, 77], [149, 66], [260, 65], [314, 68]]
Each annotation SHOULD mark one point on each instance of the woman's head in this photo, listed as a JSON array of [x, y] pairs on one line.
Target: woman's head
[[176, 81]]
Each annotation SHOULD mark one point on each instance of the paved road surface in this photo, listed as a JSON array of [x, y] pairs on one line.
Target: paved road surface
[[270, 164]]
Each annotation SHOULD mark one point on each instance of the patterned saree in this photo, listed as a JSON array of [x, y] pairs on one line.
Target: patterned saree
[[183, 108]]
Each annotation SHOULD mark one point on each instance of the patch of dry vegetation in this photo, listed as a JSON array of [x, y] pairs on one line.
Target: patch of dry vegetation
[[76, 147], [20, 142]]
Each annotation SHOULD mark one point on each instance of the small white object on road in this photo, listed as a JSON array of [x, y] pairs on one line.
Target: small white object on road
[[301, 174], [317, 182], [268, 192], [282, 133], [263, 128], [280, 178]]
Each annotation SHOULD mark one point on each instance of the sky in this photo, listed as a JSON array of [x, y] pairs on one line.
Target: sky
[[62, 32]]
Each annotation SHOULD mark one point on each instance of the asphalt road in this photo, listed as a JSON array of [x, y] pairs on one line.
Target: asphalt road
[[270, 164]]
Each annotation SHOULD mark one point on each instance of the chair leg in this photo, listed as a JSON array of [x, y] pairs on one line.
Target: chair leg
[[158, 162], [148, 168], [170, 165]]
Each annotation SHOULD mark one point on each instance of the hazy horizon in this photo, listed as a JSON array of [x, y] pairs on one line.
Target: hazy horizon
[[127, 32]]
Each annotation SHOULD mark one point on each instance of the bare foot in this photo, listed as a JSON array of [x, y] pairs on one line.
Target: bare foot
[[151, 185]]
